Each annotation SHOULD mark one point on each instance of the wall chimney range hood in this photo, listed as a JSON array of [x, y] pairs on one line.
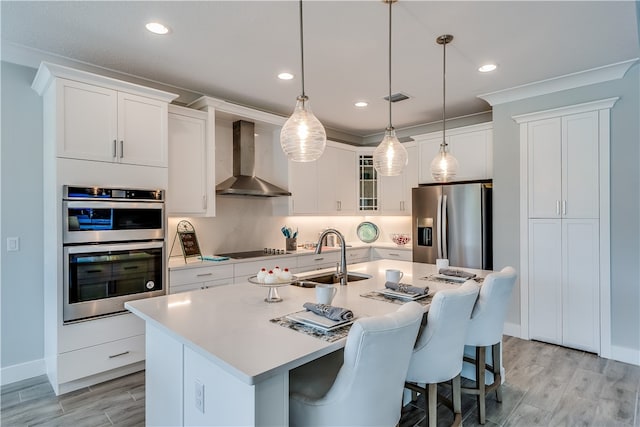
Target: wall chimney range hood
[[244, 182]]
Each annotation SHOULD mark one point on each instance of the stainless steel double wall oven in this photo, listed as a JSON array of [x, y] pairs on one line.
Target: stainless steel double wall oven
[[113, 249]]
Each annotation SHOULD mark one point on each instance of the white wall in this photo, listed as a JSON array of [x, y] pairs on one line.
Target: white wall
[[625, 196], [21, 176]]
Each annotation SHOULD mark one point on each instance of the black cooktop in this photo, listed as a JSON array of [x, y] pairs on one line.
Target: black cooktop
[[255, 254]]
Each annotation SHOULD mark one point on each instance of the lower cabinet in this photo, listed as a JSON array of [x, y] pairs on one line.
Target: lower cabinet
[[318, 261], [356, 255], [388, 253], [189, 279], [564, 282]]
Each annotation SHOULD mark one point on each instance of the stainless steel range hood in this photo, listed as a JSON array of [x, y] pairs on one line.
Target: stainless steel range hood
[[244, 182]]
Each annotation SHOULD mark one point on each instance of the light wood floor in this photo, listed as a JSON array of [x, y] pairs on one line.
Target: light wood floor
[[545, 385]]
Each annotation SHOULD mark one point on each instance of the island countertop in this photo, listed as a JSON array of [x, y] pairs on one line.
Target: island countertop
[[230, 325]]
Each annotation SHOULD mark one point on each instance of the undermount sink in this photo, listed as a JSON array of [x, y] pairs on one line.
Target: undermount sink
[[328, 278]]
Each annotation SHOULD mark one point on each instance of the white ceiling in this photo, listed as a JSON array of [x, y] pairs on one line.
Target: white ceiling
[[234, 49]]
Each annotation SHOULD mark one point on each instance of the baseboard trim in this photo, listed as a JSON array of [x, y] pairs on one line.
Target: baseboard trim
[[22, 371], [625, 354], [512, 329]]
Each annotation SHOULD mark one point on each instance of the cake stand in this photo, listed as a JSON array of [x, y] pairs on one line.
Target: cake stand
[[272, 295]]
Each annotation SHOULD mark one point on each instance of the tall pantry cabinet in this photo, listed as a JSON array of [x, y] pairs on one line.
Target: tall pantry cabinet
[[565, 223]]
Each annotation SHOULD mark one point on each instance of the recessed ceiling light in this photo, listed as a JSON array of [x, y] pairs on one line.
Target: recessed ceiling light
[[285, 76], [361, 104], [487, 67], [157, 28]]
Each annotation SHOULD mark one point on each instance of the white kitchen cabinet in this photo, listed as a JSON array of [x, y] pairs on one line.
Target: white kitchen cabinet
[[388, 253], [326, 186], [564, 186], [201, 277], [472, 146], [562, 164], [337, 181], [356, 255], [318, 261], [103, 124], [395, 191], [564, 267], [191, 189]]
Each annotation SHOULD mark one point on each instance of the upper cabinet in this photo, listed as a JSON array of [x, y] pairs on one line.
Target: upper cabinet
[[472, 146], [102, 119], [326, 186], [395, 191], [191, 189]]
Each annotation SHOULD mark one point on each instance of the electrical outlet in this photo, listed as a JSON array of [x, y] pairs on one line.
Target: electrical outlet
[[199, 396], [13, 244]]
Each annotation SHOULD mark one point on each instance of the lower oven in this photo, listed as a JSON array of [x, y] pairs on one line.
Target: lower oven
[[100, 278]]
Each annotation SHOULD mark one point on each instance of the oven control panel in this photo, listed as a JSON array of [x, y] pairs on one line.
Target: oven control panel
[[102, 193]]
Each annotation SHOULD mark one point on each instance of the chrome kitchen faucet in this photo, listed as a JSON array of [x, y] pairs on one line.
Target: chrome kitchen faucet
[[343, 252]]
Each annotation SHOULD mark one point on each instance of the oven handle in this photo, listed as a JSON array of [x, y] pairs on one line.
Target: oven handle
[[84, 204], [113, 247]]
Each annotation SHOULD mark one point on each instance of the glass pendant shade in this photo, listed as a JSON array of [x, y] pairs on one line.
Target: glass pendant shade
[[303, 137], [390, 157], [444, 166]]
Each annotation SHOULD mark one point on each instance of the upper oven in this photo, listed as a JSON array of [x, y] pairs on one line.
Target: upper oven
[[95, 215]]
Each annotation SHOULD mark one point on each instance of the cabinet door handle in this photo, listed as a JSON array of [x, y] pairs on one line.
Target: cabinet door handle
[[564, 207], [115, 148], [204, 274], [118, 355], [204, 201], [557, 207], [402, 206], [121, 148]]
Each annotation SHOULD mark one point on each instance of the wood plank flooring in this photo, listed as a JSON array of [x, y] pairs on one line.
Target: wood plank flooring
[[545, 385]]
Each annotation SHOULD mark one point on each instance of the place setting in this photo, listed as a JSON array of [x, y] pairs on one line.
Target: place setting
[[320, 319], [452, 276], [396, 292]]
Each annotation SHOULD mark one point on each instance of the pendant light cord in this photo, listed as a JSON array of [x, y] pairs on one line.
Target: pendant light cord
[[390, 4], [302, 49], [444, 90]]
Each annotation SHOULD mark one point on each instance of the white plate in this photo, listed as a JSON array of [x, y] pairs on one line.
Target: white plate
[[402, 295], [309, 318], [367, 232]]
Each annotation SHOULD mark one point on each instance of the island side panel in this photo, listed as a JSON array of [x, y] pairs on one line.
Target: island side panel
[[163, 379]]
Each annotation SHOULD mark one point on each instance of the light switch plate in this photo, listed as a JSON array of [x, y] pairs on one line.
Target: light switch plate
[[13, 244]]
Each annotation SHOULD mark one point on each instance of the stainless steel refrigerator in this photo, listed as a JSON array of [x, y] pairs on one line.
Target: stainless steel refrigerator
[[453, 221]]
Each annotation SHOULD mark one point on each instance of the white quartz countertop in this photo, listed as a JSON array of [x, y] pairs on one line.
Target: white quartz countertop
[[229, 325], [178, 262]]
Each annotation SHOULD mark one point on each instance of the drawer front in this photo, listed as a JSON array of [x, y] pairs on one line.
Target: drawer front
[[199, 274], [79, 335], [315, 261], [402, 255], [200, 285], [100, 358], [251, 268], [358, 255]]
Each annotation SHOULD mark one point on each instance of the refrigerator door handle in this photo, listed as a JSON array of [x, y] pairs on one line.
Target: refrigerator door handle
[[445, 252], [438, 227]]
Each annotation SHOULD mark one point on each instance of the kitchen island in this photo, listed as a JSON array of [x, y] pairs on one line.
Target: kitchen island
[[215, 357]]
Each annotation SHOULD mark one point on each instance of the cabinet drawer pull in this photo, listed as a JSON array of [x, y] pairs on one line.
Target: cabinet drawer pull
[[131, 267], [392, 254], [119, 354], [318, 259], [204, 274]]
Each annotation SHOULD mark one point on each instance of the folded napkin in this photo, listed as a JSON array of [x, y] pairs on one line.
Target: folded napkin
[[457, 273], [329, 311], [407, 289]]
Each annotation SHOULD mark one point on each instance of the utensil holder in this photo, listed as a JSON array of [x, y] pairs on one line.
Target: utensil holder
[[292, 243]]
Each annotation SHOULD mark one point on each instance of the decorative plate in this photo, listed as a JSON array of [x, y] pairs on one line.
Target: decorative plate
[[368, 232]]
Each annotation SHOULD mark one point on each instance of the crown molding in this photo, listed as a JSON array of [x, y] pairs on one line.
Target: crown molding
[[556, 84], [601, 104]]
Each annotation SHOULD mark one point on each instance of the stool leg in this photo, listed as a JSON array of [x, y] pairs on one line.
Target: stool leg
[[432, 404], [497, 376], [457, 401], [480, 367]]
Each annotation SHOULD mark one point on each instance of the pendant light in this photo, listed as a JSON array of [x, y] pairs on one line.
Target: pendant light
[[444, 166], [303, 137], [390, 157]]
